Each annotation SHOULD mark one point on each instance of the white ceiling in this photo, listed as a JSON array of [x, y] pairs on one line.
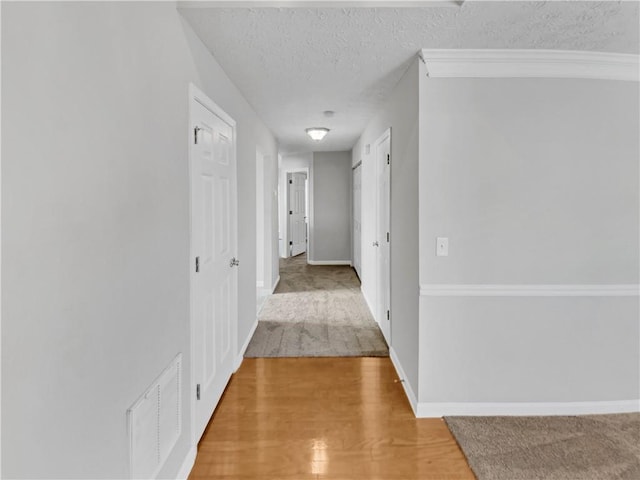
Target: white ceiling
[[292, 64]]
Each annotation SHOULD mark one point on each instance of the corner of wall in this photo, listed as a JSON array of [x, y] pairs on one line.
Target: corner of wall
[[406, 384], [482, 170]]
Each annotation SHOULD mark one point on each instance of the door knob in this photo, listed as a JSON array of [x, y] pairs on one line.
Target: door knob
[[376, 244], [234, 262]]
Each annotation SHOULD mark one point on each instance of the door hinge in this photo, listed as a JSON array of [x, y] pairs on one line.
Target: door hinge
[[195, 134], [388, 159], [387, 237], [198, 391], [388, 314], [197, 264]]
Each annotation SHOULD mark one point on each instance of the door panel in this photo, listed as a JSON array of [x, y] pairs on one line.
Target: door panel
[[223, 214], [209, 340], [208, 219], [213, 233], [225, 315]]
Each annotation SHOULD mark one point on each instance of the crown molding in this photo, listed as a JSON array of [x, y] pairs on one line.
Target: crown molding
[[488, 63]]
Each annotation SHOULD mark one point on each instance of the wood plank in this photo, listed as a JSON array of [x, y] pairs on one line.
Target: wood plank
[[323, 418]]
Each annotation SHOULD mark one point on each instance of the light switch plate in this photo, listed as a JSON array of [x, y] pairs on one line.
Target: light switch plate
[[442, 246]]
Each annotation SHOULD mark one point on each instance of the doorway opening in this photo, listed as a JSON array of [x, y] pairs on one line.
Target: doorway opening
[[318, 308], [297, 208], [296, 211]]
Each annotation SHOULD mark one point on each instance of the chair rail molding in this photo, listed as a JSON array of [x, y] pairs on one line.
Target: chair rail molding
[[485, 290], [513, 63]]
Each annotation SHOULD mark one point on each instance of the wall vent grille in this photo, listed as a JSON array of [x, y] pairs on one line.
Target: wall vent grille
[[155, 422]]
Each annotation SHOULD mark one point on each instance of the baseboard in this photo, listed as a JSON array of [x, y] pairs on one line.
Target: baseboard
[[275, 285], [429, 410], [366, 299], [240, 356], [329, 262], [411, 396], [263, 294], [188, 464]]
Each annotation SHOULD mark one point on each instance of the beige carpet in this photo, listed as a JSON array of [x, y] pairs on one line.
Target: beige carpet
[[316, 311], [589, 447]]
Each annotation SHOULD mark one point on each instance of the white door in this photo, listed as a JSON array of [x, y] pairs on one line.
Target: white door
[[383, 239], [214, 276], [297, 213], [357, 218]]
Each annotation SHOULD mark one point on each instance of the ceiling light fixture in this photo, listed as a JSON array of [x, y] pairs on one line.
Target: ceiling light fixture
[[317, 133]]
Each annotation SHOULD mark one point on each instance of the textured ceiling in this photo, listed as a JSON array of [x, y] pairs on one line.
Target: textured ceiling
[[292, 64]]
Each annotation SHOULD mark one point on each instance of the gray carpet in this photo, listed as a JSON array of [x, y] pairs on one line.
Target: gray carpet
[[589, 447], [316, 311]]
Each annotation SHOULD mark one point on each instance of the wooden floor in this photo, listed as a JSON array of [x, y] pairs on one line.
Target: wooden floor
[[323, 418]]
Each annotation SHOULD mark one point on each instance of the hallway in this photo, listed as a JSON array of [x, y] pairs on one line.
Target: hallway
[[316, 311], [323, 418]]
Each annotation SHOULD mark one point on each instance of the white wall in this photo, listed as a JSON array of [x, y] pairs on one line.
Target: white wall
[[95, 233], [272, 257], [330, 232], [534, 182], [267, 269], [401, 114], [261, 206]]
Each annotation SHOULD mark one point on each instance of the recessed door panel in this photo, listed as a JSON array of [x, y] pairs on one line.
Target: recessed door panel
[[224, 148], [223, 217], [209, 340], [225, 317], [208, 218]]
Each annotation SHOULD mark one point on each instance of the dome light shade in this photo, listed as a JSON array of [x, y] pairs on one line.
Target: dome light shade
[[317, 133]]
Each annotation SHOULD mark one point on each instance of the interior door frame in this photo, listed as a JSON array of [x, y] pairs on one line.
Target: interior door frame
[[308, 199], [289, 179], [197, 95], [356, 168], [380, 313]]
